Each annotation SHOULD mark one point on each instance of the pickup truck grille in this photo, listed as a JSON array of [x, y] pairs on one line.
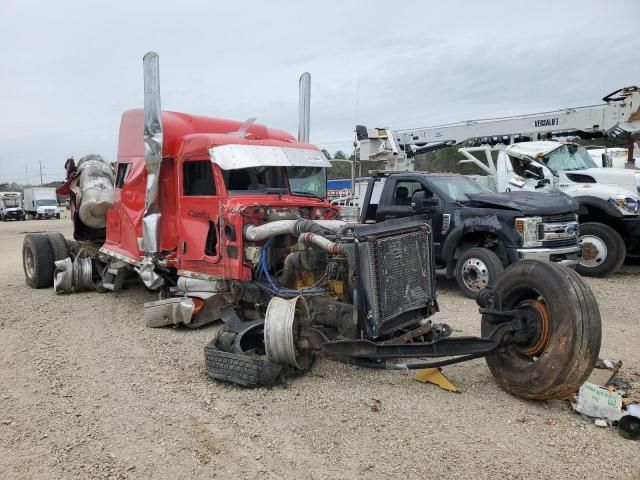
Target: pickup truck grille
[[558, 230], [563, 217]]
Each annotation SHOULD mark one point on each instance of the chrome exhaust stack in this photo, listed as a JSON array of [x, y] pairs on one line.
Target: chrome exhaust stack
[[304, 107], [153, 159], [152, 154]]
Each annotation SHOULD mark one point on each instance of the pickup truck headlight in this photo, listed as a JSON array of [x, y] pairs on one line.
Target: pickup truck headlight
[[628, 204], [527, 227], [40, 210]]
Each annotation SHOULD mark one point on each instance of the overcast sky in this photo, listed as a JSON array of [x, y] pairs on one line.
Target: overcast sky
[[69, 68]]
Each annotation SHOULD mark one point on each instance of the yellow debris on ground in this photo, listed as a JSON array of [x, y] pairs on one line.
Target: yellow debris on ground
[[435, 376]]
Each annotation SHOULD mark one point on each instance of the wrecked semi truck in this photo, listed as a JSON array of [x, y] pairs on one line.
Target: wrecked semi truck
[[229, 221]]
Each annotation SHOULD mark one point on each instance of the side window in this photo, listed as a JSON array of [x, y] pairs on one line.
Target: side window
[[121, 175], [404, 191], [197, 178]]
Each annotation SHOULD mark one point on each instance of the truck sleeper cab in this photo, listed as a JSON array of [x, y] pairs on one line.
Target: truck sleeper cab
[[210, 189]]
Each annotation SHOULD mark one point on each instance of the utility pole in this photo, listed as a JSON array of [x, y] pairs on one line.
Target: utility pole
[[40, 162]]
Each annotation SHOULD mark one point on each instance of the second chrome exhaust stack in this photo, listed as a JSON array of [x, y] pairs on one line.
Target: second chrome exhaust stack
[[304, 107]]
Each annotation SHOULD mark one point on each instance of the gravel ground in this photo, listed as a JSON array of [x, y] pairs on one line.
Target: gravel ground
[[86, 391]]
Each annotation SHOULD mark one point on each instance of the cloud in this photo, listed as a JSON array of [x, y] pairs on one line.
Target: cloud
[[70, 68]]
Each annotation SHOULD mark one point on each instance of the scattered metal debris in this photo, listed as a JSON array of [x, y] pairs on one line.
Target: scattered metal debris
[[73, 276]]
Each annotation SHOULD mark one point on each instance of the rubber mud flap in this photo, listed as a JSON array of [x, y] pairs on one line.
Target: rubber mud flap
[[243, 370]]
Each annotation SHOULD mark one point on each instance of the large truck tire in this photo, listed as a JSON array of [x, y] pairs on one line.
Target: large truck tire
[[603, 250], [58, 245], [244, 370], [567, 335], [37, 261], [476, 269]]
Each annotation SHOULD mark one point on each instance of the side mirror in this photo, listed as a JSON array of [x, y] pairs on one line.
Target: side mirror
[[606, 160], [420, 201]]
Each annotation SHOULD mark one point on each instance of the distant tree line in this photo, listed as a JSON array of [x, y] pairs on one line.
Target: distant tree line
[[17, 187]]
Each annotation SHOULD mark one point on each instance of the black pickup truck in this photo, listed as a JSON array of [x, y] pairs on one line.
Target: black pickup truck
[[477, 232]]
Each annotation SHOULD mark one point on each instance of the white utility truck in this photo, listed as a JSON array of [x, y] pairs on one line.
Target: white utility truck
[[11, 206], [615, 157], [608, 197], [41, 202]]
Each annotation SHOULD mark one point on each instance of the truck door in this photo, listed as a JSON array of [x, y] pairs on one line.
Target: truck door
[[198, 217], [396, 203]]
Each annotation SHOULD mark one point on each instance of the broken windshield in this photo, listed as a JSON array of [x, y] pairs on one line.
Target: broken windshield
[[569, 157], [458, 187], [254, 180], [308, 181]]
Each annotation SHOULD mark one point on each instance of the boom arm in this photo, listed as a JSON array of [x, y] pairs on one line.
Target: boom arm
[[620, 115]]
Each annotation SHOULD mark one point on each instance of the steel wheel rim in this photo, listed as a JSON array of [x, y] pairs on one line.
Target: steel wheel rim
[[536, 348], [475, 274], [29, 263], [595, 249]]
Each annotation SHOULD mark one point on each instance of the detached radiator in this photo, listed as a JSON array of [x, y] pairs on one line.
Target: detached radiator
[[396, 269]]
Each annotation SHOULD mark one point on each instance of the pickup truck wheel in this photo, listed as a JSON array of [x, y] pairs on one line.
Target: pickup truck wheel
[[603, 250], [58, 245], [565, 331], [476, 269], [37, 261]]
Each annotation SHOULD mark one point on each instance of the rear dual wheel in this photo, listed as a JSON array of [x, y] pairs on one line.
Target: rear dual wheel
[[39, 254], [565, 331], [37, 261]]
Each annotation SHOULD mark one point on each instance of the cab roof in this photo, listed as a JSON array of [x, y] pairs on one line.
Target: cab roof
[[186, 134], [533, 149]]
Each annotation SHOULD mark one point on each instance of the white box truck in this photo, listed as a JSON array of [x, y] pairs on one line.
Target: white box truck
[[41, 202], [11, 206]]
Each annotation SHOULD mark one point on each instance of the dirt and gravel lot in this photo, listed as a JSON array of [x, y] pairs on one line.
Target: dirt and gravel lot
[[86, 391]]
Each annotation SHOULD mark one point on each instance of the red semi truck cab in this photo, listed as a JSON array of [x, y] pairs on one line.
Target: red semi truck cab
[[216, 177]]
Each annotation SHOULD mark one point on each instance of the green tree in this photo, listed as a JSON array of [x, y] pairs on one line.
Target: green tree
[[340, 154], [326, 153]]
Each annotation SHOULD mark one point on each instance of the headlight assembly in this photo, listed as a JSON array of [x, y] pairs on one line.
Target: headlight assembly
[[629, 204], [527, 227]]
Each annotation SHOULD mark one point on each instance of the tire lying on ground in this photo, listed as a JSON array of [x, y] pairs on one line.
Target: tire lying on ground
[[603, 250], [225, 360], [561, 355], [58, 245], [476, 269], [37, 261]]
